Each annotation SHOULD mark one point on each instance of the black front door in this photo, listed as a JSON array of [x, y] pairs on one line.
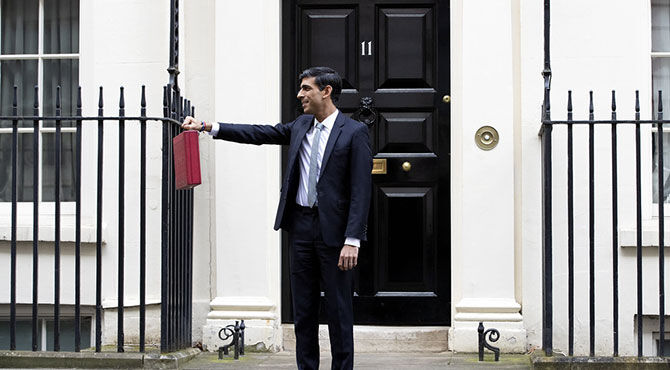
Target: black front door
[[393, 57]]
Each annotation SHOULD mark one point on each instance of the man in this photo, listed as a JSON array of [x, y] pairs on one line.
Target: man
[[324, 207]]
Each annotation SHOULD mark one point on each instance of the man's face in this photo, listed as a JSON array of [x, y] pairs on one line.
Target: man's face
[[310, 96]]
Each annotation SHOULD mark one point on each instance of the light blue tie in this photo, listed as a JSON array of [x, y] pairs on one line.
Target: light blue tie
[[313, 166]]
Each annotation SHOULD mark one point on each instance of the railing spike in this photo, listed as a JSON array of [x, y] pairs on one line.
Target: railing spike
[[613, 101], [36, 97], [193, 111], [660, 101], [637, 101], [100, 99], [15, 101], [143, 102], [591, 102], [79, 97], [122, 102], [58, 97], [569, 101]]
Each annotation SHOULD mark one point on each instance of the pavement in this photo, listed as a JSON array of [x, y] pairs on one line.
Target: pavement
[[385, 361], [193, 358]]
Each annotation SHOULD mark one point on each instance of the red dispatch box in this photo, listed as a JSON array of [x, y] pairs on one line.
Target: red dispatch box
[[186, 160]]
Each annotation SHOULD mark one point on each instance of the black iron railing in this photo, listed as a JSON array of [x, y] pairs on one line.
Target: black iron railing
[[177, 238], [176, 227], [548, 248], [547, 223]]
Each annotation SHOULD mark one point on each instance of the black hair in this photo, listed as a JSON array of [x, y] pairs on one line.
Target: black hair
[[324, 76]]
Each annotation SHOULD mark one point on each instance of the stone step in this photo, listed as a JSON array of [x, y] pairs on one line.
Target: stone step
[[375, 339]]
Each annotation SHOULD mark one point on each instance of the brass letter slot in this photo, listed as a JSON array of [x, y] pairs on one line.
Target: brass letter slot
[[379, 166]]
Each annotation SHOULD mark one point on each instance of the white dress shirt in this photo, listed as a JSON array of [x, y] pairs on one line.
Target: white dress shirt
[[305, 154]]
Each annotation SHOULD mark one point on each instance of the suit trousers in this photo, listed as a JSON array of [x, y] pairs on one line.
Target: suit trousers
[[313, 266]]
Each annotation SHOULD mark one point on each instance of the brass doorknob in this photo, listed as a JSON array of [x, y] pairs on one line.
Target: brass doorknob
[[446, 99], [406, 166]]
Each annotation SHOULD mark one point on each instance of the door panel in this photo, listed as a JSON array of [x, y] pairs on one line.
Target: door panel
[[329, 37], [396, 98], [404, 229], [406, 132], [406, 47], [387, 52]]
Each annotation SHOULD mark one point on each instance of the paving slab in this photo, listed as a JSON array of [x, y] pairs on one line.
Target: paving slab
[[370, 361], [100, 360], [560, 362]]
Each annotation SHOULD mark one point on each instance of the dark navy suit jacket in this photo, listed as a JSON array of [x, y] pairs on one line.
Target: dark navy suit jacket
[[345, 182]]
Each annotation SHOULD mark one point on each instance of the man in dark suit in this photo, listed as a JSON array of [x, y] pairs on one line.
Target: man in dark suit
[[324, 205]]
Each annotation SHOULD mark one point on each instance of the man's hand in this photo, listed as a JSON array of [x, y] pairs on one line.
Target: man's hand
[[348, 258], [190, 123]]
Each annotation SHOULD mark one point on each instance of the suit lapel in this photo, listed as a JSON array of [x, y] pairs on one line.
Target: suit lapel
[[334, 134], [300, 135]]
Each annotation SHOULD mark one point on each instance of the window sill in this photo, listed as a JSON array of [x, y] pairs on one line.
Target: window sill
[[46, 233], [628, 237]]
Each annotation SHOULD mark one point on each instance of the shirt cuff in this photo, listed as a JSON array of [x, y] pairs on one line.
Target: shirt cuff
[[353, 241], [215, 129]]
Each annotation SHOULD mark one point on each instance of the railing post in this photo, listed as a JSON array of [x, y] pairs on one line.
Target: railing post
[[143, 216], [638, 221], [121, 219], [592, 234], [36, 208], [98, 231], [546, 241], [173, 68], [77, 243], [661, 225], [165, 224], [571, 234], [546, 195], [57, 156], [15, 145], [615, 235]]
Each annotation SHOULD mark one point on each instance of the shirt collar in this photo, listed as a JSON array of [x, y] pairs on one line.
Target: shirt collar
[[328, 121]]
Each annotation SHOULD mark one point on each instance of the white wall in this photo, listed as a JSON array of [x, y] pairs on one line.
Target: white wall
[[120, 47], [197, 81], [247, 90], [483, 189]]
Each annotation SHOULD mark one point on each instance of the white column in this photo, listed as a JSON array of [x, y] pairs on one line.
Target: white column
[[484, 39], [247, 178]]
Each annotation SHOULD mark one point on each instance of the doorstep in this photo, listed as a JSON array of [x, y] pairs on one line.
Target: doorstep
[[376, 339]]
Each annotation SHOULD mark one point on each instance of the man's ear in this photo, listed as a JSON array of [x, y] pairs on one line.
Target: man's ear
[[327, 91]]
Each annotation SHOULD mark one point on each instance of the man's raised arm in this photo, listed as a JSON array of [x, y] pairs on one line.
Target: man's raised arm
[[242, 133]]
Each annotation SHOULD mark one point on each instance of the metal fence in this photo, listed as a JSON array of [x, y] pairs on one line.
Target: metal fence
[[548, 231], [176, 222]]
